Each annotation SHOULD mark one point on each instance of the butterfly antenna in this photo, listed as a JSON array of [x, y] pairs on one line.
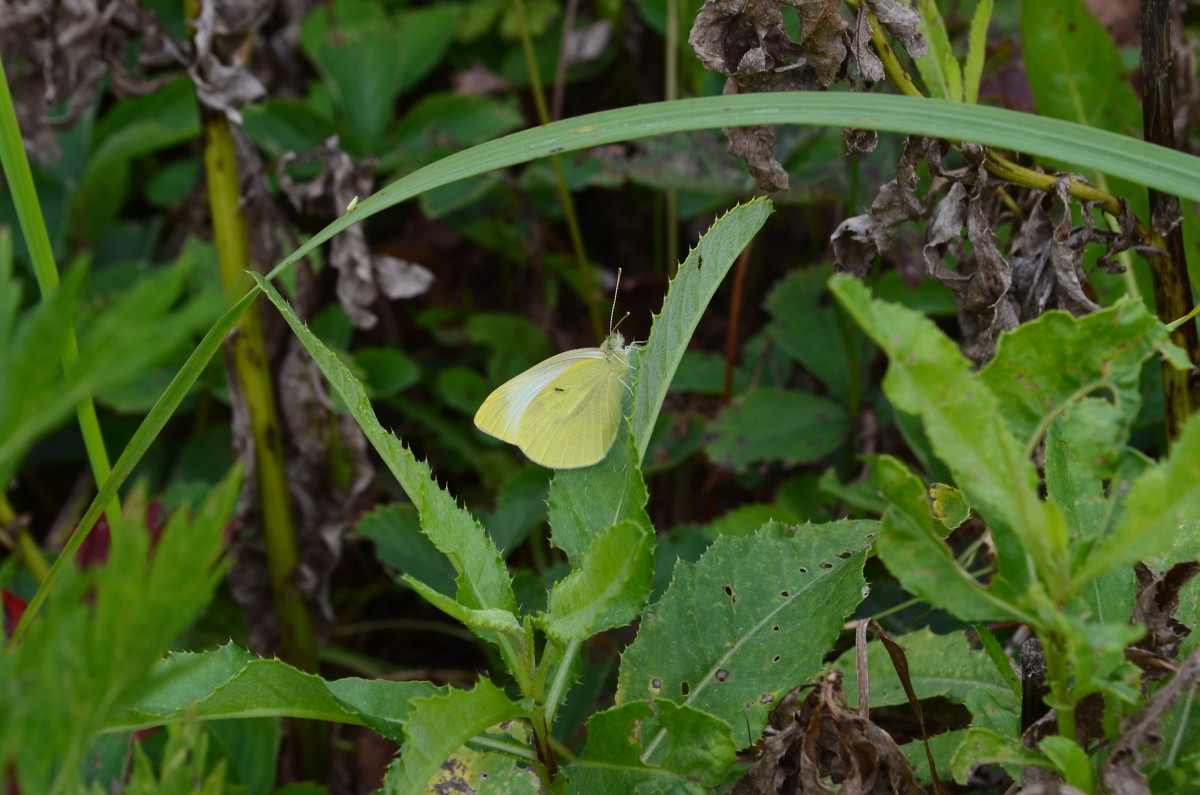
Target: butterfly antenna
[[613, 311]]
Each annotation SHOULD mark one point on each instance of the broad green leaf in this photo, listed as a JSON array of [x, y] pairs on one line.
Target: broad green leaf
[[910, 544], [939, 665], [813, 332], [777, 425], [697, 750], [584, 502], [386, 370], [928, 376], [438, 725], [232, 683], [1075, 71], [1160, 503], [483, 581], [607, 589], [1070, 485], [938, 67], [1042, 366], [747, 622], [981, 746]]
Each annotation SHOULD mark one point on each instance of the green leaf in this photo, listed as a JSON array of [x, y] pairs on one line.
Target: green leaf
[[948, 505], [981, 746], [745, 623], [439, 725], [1075, 71], [608, 588], [699, 749], [396, 532], [86, 660], [910, 544], [1075, 488], [369, 58], [1159, 505], [482, 773], [688, 295], [1042, 366], [938, 67], [973, 68], [939, 665], [1070, 760], [927, 375], [813, 332], [232, 683], [776, 425], [484, 586], [387, 371]]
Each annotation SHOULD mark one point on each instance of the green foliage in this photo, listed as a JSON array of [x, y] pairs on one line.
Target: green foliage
[[88, 658]]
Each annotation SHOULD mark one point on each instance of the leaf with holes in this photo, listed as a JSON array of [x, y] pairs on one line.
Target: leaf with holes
[[751, 619]]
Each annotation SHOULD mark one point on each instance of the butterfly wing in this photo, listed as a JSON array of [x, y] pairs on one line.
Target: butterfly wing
[[500, 415], [573, 421]]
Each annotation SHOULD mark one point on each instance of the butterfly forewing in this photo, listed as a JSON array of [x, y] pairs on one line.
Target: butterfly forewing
[[585, 402], [500, 415]]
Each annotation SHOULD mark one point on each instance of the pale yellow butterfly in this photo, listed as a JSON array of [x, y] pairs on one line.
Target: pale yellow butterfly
[[563, 413]]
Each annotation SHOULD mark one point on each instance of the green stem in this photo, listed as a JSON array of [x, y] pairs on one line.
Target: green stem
[[586, 284], [15, 165]]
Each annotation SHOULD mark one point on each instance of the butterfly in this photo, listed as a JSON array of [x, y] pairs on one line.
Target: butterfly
[[562, 413]]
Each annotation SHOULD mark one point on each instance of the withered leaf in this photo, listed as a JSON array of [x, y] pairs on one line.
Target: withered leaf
[[901, 21]]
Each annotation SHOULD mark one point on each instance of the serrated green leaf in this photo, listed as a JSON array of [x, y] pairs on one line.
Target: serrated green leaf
[[1159, 504], [699, 749], [83, 664], [927, 375], [939, 665], [745, 623], [439, 725], [483, 580], [777, 425], [910, 544], [692, 288], [608, 588], [232, 683], [482, 773]]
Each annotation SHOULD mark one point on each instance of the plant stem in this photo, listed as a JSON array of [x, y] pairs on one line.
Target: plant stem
[[15, 165], [586, 284]]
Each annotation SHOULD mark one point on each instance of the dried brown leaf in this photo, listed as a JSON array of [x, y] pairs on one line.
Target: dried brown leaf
[[901, 21], [857, 240], [1156, 605]]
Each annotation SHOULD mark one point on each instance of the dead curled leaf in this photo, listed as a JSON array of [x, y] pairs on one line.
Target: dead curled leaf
[[362, 276], [823, 740], [1157, 603], [747, 41]]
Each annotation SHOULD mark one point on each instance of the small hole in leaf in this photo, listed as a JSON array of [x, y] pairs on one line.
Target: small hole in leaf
[[767, 698], [776, 658], [722, 675], [483, 775], [803, 570], [845, 553], [785, 594], [827, 565], [775, 628], [684, 688], [656, 683]]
